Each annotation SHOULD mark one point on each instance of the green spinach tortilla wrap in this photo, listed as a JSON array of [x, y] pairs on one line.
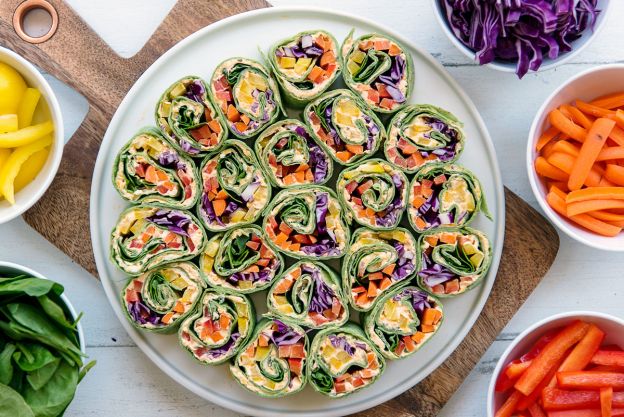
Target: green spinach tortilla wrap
[[234, 188], [378, 69], [454, 260], [342, 361], [240, 260], [376, 263], [273, 362], [245, 95], [218, 327], [290, 156], [421, 135], [150, 170], [305, 65], [402, 321], [188, 119], [147, 236], [161, 298], [307, 222], [375, 193], [347, 129], [444, 195], [309, 294]]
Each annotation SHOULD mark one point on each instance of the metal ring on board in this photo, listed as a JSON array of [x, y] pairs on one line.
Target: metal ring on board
[[23, 9]]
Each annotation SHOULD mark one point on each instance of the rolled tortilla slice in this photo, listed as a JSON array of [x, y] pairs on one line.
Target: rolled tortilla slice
[[376, 263], [188, 119], [218, 327], [158, 300], [273, 362], [235, 189], [375, 193], [150, 170], [444, 195], [342, 361], [307, 222], [240, 260], [147, 236], [421, 135], [309, 294], [402, 321], [290, 156], [305, 65], [347, 129], [245, 95], [378, 69], [454, 260]]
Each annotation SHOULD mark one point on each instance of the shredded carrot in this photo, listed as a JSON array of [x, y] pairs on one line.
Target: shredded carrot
[[559, 205], [595, 140], [615, 174], [566, 125]]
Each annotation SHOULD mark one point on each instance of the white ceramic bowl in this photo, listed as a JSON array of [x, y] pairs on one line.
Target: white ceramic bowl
[[547, 63], [586, 86], [48, 108], [13, 269], [612, 326]]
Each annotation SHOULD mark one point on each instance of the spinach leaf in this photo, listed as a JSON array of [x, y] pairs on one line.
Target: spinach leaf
[[6, 368], [32, 356], [13, 405], [56, 312], [41, 376], [51, 399], [33, 287]]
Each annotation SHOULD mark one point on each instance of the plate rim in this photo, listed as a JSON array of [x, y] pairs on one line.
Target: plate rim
[[171, 371]]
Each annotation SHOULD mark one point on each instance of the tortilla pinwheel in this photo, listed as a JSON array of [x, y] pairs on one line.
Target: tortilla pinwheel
[[240, 260], [420, 135], [235, 189], [218, 327], [347, 129], [309, 294], [290, 156], [147, 236], [444, 195], [402, 321], [245, 95], [188, 119], [161, 298], [305, 65], [307, 222], [376, 263], [343, 361], [374, 192], [273, 362], [378, 69], [150, 170], [454, 260]]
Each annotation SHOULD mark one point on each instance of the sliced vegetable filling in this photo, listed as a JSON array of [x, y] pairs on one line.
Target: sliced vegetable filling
[[273, 363], [375, 193], [188, 119], [150, 170], [160, 299], [235, 189], [307, 222], [454, 260], [342, 361], [420, 135], [240, 260], [403, 321], [291, 156], [377, 262], [345, 127], [309, 293], [217, 329]]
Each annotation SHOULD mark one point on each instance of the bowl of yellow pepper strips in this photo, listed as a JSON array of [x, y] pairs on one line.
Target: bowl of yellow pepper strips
[[31, 135]]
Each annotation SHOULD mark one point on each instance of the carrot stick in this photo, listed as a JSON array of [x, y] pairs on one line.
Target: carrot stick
[[567, 147], [593, 205], [547, 150], [617, 223], [565, 162], [597, 226], [607, 216], [610, 152], [610, 101], [545, 169], [619, 118], [560, 186], [578, 116], [615, 174], [617, 135], [596, 137], [596, 193], [566, 125], [554, 189], [593, 110], [548, 135], [508, 408]]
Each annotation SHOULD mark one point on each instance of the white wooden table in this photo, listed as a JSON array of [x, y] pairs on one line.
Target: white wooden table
[[126, 383]]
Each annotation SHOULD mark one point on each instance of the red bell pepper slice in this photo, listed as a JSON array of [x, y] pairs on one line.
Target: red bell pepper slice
[[590, 379], [610, 358], [536, 411], [508, 408], [593, 412], [558, 399], [606, 401]]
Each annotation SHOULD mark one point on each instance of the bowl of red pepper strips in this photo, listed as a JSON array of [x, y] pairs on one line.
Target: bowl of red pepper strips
[[567, 365]]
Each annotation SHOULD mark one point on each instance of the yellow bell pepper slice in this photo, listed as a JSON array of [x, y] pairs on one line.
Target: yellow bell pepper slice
[[13, 164], [30, 169], [8, 123], [26, 135], [4, 155], [27, 107]]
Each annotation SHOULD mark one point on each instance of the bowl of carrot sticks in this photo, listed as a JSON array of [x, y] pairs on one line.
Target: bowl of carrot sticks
[[575, 157], [567, 365]]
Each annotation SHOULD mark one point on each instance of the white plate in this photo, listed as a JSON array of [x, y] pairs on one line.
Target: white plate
[[199, 54]]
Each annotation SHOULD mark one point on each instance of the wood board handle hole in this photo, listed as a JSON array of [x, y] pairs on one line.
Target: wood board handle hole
[[35, 10]]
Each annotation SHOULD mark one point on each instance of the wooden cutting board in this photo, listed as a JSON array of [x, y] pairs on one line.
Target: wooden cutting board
[[78, 57]]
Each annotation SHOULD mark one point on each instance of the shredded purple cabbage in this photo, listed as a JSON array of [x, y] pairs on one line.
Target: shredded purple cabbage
[[141, 314], [175, 221], [322, 296], [342, 343], [223, 350], [170, 160], [434, 274], [284, 335], [195, 91]]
